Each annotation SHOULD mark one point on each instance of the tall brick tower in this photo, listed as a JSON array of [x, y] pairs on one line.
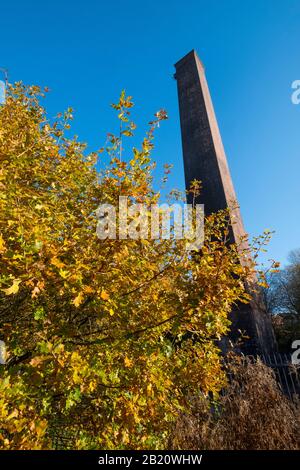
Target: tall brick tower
[[205, 160]]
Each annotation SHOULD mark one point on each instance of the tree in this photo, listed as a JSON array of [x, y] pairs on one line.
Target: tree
[[293, 284], [282, 299], [283, 293], [91, 326]]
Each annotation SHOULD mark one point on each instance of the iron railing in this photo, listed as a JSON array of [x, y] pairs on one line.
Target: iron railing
[[287, 373]]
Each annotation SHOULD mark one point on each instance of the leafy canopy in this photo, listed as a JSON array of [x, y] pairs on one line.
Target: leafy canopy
[[106, 339]]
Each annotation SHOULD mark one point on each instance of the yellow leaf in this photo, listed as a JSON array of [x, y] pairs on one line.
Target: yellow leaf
[[88, 289], [2, 245], [128, 362], [104, 295], [78, 300], [64, 274], [40, 427], [13, 414], [57, 262], [13, 289], [92, 386]]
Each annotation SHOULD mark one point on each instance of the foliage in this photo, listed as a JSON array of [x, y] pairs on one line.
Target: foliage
[[252, 414], [282, 299], [283, 293], [287, 330], [92, 326]]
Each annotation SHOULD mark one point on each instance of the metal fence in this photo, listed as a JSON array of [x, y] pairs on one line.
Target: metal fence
[[287, 373]]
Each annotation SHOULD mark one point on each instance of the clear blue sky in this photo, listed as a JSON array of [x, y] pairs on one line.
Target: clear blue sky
[[87, 51]]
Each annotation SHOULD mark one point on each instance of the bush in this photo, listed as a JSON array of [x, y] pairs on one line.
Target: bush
[[91, 325]]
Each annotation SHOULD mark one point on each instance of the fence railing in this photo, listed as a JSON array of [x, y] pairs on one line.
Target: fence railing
[[287, 373]]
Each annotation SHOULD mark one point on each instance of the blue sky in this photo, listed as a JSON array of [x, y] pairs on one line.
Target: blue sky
[[87, 52]]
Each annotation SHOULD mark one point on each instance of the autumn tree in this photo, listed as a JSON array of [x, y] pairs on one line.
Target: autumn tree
[[95, 330]]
